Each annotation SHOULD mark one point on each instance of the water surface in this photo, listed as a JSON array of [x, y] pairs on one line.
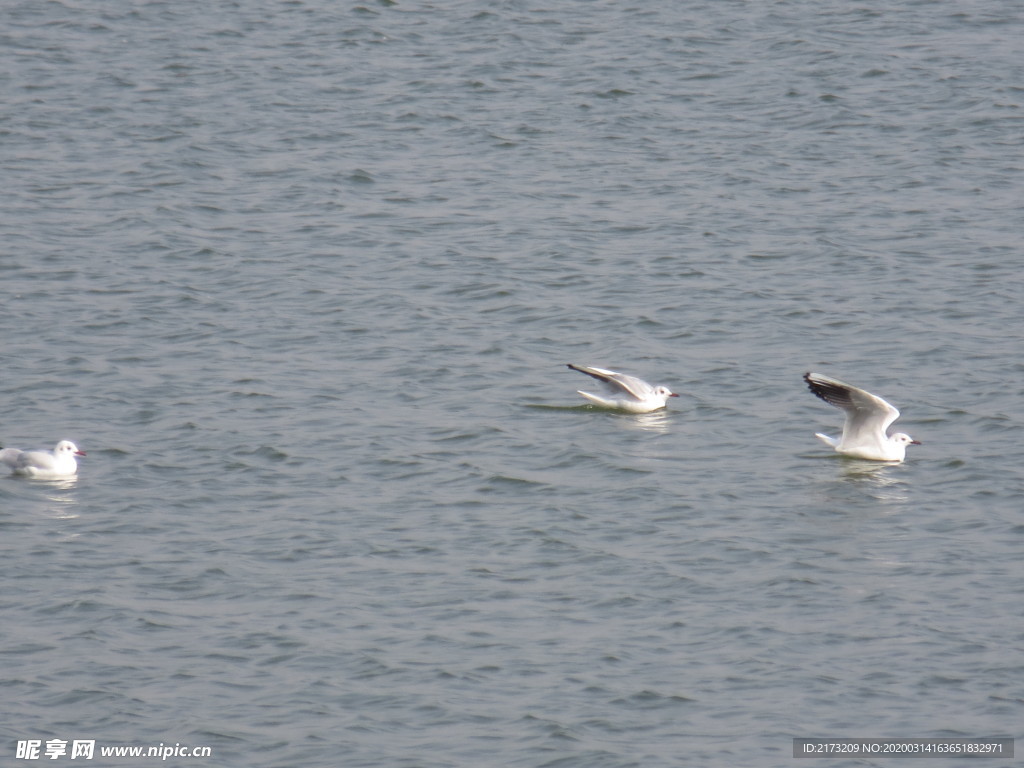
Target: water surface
[[302, 279]]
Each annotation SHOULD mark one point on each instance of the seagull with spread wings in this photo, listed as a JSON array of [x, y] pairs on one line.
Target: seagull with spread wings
[[867, 419], [626, 393]]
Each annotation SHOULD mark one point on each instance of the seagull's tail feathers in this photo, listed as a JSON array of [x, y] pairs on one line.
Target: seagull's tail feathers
[[832, 442], [9, 456], [596, 399]]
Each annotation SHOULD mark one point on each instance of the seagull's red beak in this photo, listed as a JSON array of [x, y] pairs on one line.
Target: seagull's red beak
[[914, 442], [674, 394], [79, 453]]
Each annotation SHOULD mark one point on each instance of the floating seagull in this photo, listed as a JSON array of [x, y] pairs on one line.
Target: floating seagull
[[42, 464], [627, 393], [867, 418]]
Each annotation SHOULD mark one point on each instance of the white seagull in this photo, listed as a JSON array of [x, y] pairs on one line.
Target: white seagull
[[867, 418], [43, 464], [627, 393]]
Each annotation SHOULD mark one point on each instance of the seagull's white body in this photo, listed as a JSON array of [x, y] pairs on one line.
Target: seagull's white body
[[627, 393], [42, 464], [867, 419]]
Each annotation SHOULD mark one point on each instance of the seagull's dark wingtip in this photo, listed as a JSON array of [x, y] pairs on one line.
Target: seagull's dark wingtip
[[809, 382]]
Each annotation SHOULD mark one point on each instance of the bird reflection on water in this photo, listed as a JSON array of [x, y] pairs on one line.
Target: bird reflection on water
[[880, 481], [657, 421], [62, 504]]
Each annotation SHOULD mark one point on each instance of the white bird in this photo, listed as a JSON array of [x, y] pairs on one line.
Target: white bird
[[867, 418], [43, 464], [627, 393]]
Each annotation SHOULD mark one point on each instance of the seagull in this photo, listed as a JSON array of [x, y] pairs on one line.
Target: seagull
[[627, 393], [43, 464], [867, 418]]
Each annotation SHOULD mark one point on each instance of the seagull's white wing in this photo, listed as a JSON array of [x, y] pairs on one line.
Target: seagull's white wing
[[867, 415], [37, 459], [617, 383]]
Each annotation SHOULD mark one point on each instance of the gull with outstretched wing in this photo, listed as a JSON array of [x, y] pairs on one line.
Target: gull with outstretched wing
[[867, 419], [625, 392]]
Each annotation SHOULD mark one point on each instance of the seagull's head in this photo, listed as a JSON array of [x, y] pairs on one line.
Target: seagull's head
[[664, 392], [904, 439], [68, 448]]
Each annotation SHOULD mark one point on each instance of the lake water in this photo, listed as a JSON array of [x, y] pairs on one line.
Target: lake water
[[302, 279]]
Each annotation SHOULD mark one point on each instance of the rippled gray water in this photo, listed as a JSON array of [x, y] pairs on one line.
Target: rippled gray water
[[302, 278]]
